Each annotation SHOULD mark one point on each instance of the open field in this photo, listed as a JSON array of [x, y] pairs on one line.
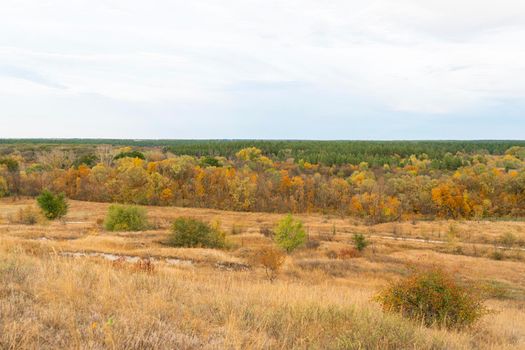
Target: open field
[[56, 293]]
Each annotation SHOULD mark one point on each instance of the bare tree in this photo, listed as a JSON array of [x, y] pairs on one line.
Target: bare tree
[[105, 154], [57, 159]]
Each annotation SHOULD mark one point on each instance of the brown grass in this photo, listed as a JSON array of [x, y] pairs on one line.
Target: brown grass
[[51, 301]]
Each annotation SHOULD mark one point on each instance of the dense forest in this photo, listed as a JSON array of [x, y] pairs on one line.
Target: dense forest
[[376, 153], [378, 181]]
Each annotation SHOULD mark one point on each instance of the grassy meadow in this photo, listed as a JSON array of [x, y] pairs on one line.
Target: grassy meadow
[[71, 284]]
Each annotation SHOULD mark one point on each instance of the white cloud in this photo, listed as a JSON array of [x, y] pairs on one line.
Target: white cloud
[[409, 56]]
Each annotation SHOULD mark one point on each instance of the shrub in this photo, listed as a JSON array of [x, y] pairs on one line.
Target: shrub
[[360, 242], [290, 233], [271, 258], [28, 216], [189, 232], [126, 218], [508, 239], [53, 206], [434, 298], [144, 265], [497, 255]]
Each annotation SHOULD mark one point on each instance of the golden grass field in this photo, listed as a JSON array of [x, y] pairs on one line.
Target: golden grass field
[[51, 297]]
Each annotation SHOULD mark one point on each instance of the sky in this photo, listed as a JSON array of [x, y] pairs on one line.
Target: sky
[[263, 69]]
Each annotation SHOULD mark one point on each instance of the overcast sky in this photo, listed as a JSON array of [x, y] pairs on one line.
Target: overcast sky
[[302, 69]]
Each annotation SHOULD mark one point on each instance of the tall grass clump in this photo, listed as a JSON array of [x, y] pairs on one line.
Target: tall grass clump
[[434, 298], [126, 218], [192, 233], [53, 206], [28, 216]]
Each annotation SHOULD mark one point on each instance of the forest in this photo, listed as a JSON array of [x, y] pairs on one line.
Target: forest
[[376, 153], [377, 181]]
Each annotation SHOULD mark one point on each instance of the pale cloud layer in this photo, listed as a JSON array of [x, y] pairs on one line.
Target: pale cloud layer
[[340, 69]]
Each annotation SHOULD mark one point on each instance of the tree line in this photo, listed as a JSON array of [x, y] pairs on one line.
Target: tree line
[[375, 153], [464, 185]]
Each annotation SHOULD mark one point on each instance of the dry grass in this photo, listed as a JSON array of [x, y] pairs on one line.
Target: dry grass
[[319, 300]]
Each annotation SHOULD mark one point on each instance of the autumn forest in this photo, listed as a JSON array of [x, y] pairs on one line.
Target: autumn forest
[[479, 180]]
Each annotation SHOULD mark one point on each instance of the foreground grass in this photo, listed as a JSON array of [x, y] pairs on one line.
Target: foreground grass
[[48, 301], [52, 302]]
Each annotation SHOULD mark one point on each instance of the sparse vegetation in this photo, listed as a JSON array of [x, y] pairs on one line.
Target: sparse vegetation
[[348, 253], [236, 229], [266, 232], [126, 218], [192, 233], [312, 243], [53, 206]]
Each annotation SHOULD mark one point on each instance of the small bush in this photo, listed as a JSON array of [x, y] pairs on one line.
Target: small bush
[[508, 239], [360, 242], [53, 206], [189, 232], [290, 234], [144, 265], [28, 216], [434, 298], [126, 218], [271, 259], [497, 255]]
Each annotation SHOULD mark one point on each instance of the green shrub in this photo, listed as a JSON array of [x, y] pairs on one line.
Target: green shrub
[[189, 232], [210, 161], [126, 218], [290, 233], [360, 242], [434, 298], [53, 206], [130, 154]]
